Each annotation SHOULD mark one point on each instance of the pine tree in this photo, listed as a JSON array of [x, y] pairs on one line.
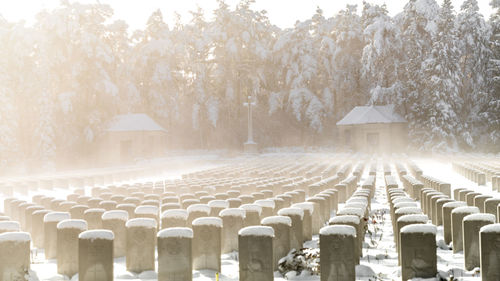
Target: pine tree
[[442, 78]]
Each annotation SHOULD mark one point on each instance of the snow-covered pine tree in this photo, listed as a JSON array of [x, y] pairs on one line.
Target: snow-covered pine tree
[[490, 113], [417, 23], [474, 36], [440, 90], [381, 55]]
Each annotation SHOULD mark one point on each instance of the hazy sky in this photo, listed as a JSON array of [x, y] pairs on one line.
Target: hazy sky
[[283, 13]]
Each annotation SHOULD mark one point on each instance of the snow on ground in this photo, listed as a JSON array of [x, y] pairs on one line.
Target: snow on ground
[[379, 261]]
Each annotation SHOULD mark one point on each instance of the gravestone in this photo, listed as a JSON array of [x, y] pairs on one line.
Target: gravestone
[[14, 255], [95, 255], [457, 216], [93, 216], [232, 222], [174, 254], [67, 245], [115, 221], [141, 240], [50, 222], [255, 244], [296, 231], [174, 218], [447, 208], [490, 252], [207, 243], [470, 231], [338, 254], [281, 242], [418, 251]]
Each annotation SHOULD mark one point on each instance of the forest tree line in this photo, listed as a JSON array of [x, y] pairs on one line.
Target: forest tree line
[[63, 78]]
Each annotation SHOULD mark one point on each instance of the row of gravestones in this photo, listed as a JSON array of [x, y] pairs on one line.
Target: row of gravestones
[[462, 224], [470, 173], [115, 220], [324, 202]]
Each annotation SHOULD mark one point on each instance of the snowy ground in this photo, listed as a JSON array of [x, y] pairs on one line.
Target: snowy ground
[[379, 260]]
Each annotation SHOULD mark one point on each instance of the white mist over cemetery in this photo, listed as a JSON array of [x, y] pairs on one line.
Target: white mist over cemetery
[[359, 145]]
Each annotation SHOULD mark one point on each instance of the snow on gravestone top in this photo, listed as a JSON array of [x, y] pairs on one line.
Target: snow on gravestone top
[[358, 199], [361, 206], [414, 218], [265, 203], [345, 230], [94, 210], [277, 220], [126, 205], [72, 223], [291, 211], [213, 221], [419, 228], [465, 209], [146, 210], [175, 213], [305, 206], [115, 214], [252, 207], [232, 212], [56, 216], [490, 228], [178, 232], [405, 204], [345, 219], [454, 204], [97, 234], [408, 210], [141, 222], [10, 226], [15, 237], [198, 208], [218, 204], [257, 231], [402, 199], [480, 217], [351, 211]]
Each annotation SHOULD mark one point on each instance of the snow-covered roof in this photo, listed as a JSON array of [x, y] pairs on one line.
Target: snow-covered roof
[[371, 115], [133, 122]]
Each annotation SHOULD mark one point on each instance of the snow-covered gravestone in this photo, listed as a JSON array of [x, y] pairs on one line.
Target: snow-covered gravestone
[[77, 211], [447, 208], [308, 209], [341, 192], [490, 252], [174, 254], [457, 216], [93, 216], [418, 251], [353, 221], [9, 226], [252, 214], [491, 205], [471, 226], [67, 245], [146, 211], [255, 244], [297, 230], [439, 209], [281, 243], [50, 222], [267, 207], [479, 201], [129, 208], [14, 255], [115, 221], [141, 240], [197, 211], [207, 243], [174, 218], [319, 218], [338, 254], [95, 255], [404, 221], [216, 206], [232, 222], [37, 227]]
